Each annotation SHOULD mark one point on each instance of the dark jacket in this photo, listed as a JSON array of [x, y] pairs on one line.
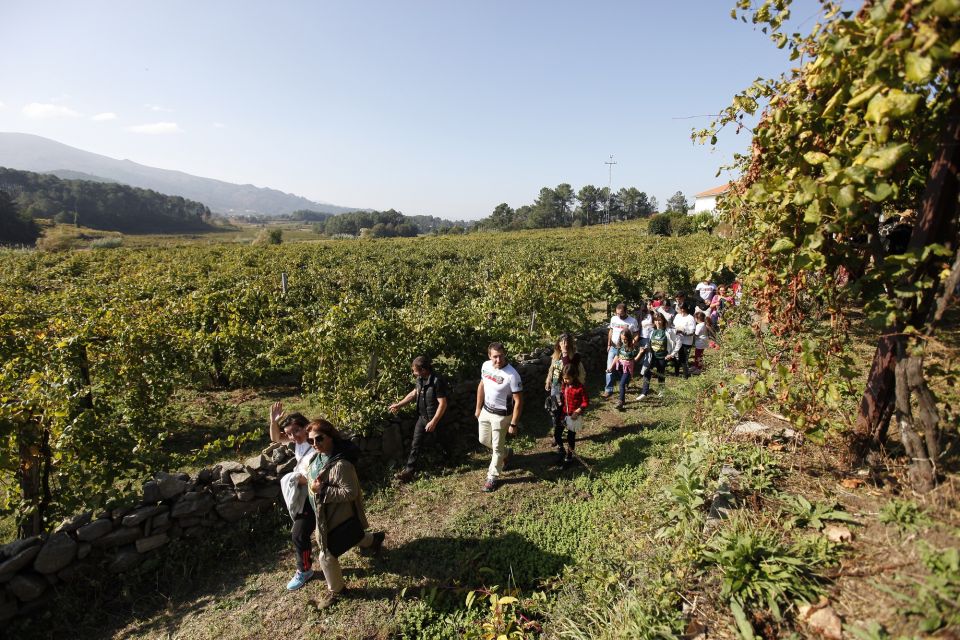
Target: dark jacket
[[429, 392]]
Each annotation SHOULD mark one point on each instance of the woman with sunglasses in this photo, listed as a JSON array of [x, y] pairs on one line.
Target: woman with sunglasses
[[336, 498]]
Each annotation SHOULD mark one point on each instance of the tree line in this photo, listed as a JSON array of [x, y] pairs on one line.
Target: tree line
[[561, 206], [107, 206]]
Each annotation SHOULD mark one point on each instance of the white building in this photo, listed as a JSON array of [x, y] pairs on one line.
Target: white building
[[707, 201]]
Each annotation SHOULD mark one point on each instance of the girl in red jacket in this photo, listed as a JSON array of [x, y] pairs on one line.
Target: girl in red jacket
[[574, 402]]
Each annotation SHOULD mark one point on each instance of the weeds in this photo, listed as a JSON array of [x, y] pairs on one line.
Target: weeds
[[905, 514], [937, 599], [801, 513], [760, 571]]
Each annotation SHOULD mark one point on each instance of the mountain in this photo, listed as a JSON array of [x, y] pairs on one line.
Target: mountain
[[109, 206], [34, 153]]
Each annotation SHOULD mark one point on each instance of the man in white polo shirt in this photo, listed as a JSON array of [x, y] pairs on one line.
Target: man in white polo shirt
[[499, 403]]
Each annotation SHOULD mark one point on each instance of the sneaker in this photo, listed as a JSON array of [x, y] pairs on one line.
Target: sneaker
[[641, 397], [490, 485], [299, 579], [568, 460], [329, 598], [507, 457], [561, 455], [405, 475], [620, 406], [606, 394]]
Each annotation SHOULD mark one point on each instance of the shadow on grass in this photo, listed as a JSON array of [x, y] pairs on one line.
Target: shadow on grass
[[186, 576], [473, 561]]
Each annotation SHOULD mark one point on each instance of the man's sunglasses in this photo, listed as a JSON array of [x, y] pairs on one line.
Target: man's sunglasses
[[316, 439]]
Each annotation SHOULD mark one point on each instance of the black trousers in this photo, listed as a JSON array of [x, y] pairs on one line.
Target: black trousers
[[683, 358], [558, 427], [660, 366], [304, 525], [421, 437]]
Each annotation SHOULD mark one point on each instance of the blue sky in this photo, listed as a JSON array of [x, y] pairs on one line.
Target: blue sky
[[443, 108]]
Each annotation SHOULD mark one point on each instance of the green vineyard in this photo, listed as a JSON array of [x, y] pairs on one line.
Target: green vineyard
[[96, 345]]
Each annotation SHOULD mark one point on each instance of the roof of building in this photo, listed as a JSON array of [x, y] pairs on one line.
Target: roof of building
[[715, 191]]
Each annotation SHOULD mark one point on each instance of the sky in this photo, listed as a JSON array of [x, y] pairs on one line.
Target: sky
[[434, 107]]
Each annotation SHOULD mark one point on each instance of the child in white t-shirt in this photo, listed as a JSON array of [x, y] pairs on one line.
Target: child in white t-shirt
[[701, 339]]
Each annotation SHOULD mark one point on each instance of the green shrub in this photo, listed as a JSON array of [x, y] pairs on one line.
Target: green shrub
[[659, 225]]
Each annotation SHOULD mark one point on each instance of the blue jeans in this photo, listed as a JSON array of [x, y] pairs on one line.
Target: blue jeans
[[611, 354]]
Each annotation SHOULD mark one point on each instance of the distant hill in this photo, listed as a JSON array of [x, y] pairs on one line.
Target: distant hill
[[34, 153], [108, 206], [67, 174]]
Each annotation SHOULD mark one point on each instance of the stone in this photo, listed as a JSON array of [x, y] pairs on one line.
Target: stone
[[269, 491], [257, 463], [57, 553], [246, 495], [193, 503], [228, 467], [117, 514], [17, 546], [8, 607], [205, 476], [94, 530], [226, 496], [123, 535], [83, 550], [141, 515], [278, 455], [837, 533], [273, 446], [10, 567], [161, 520], [241, 479], [286, 467], [151, 492], [822, 619], [171, 486], [127, 558], [153, 542], [392, 443], [72, 524], [233, 511], [27, 587]]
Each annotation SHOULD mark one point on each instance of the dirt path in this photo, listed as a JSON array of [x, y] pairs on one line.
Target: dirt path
[[443, 533]]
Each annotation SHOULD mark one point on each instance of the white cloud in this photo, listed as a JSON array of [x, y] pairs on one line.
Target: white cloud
[[158, 108], [156, 128], [216, 125], [39, 111], [2, 105], [103, 117]]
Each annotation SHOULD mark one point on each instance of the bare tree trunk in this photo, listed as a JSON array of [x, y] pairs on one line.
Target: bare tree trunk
[[922, 469], [876, 405], [28, 441]]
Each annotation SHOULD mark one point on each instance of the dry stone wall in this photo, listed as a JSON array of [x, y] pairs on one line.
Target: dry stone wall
[[180, 505]]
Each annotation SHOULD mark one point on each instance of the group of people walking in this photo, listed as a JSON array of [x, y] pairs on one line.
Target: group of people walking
[[663, 330], [323, 492]]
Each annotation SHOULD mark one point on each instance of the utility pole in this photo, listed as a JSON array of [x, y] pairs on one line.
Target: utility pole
[[609, 164]]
